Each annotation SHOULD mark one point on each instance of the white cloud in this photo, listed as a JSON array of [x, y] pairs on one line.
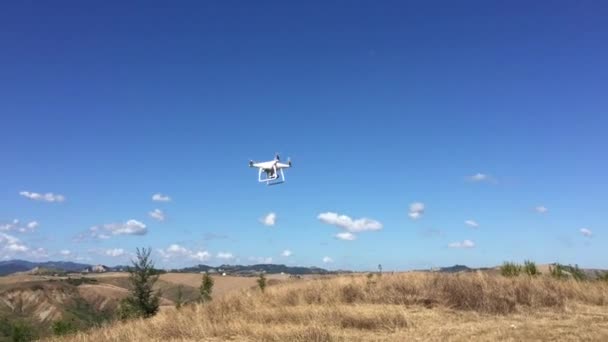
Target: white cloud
[[286, 253], [463, 244], [327, 260], [177, 251], [11, 243], [115, 252], [269, 220], [416, 210], [65, 252], [161, 198], [157, 214], [541, 209], [201, 255], [48, 197], [131, 227], [350, 225], [586, 232], [471, 223], [225, 255], [348, 236], [479, 177], [16, 225]]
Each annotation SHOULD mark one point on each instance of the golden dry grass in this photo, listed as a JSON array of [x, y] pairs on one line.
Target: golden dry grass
[[410, 306]]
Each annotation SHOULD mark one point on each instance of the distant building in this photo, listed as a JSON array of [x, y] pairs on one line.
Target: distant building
[[96, 269]]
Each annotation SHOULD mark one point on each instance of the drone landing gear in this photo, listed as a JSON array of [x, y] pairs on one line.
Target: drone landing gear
[[273, 179]]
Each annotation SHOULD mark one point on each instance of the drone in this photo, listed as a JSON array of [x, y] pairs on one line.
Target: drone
[[273, 170]]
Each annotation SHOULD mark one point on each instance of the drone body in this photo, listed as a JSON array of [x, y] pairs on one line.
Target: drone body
[[273, 170]]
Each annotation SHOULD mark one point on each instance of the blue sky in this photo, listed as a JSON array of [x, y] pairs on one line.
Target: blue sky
[[381, 105]]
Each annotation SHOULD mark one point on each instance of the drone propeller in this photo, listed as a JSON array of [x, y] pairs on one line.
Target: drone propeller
[[289, 161]]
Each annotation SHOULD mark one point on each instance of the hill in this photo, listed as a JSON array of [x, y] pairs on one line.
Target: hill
[[244, 270], [12, 266], [399, 307]]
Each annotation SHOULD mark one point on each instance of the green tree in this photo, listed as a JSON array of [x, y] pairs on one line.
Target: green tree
[[179, 301], [262, 282], [206, 287], [142, 300]]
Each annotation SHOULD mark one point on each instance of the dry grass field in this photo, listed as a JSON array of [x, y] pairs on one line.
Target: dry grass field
[[400, 307]]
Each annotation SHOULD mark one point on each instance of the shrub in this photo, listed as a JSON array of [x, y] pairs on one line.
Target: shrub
[[206, 288], [22, 333], [557, 271], [530, 268], [61, 328], [510, 269], [179, 301], [262, 282], [577, 273]]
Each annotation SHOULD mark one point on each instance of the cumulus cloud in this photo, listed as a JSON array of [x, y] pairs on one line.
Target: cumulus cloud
[[65, 252], [11, 244], [177, 251], [269, 220], [16, 225], [157, 214], [161, 198], [586, 232], [471, 223], [327, 260], [115, 252], [348, 224], [463, 244], [541, 209], [416, 210], [286, 253], [131, 227], [48, 197], [348, 236], [225, 256]]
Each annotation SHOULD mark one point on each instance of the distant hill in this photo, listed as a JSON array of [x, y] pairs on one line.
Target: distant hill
[[13, 266], [255, 269]]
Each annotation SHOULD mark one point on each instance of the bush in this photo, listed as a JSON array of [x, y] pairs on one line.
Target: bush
[[179, 301], [530, 268], [577, 273], [262, 282], [61, 328], [22, 333], [557, 271], [510, 269], [206, 288]]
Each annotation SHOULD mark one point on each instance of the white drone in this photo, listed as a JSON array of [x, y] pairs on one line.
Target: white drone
[[272, 169]]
